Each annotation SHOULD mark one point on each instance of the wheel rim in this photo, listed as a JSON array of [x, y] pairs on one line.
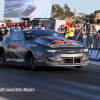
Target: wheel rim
[[32, 63]]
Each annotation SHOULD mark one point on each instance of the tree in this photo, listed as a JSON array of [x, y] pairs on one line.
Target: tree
[[57, 11], [97, 11], [77, 21], [7, 20], [91, 16], [67, 11], [87, 16], [60, 13], [66, 8]]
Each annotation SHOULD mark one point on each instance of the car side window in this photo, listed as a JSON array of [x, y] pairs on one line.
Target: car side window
[[8, 38], [17, 36]]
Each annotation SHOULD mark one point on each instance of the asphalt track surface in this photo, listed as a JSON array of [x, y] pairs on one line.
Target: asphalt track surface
[[51, 83]]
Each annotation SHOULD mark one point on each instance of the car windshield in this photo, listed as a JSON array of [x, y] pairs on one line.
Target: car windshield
[[32, 34]]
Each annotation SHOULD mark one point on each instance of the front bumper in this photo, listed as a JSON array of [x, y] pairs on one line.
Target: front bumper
[[79, 59]]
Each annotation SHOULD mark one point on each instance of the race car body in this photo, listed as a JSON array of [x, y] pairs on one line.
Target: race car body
[[10, 9], [31, 7], [43, 48]]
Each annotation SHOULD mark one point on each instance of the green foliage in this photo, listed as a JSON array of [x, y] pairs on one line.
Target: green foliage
[[66, 8], [59, 13], [91, 16], [77, 21], [97, 11], [7, 20]]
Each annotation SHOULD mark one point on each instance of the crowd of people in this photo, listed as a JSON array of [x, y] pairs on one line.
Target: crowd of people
[[5, 31], [90, 38]]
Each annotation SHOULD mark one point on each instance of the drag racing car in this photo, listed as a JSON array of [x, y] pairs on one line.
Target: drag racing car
[[42, 48], [31, 7], [10, 9]]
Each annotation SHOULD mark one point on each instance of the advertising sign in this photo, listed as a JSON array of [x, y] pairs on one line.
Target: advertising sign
[[94, 54], [28, 8]]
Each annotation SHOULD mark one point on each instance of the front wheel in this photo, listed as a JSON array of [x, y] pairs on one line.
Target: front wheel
[[78, 67]]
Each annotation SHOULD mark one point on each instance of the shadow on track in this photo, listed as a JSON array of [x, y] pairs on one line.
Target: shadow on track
[[38, 68]]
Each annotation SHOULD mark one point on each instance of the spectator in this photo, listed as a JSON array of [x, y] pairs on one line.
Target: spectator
[[61, 29], [71, 31], [87, 38], [95, 45], [84, 36], [66, 31], [3, 32], [12, 28], [91, 38], [98, 40], [8, 30], [30, 27], [17, 28], [94, 29], [25, 26], [38, 27], [43, 26], [91, 30], [46, 27], [81, 33], [76, 32]]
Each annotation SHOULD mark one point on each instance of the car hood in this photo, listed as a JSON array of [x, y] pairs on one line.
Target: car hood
[[59, 42]]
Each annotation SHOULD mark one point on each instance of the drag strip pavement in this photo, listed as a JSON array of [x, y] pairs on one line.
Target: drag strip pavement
[[51, 83]]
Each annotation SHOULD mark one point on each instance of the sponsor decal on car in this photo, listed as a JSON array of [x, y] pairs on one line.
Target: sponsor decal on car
[[62, 43], [39, 53], [19, 53], [32, 45]]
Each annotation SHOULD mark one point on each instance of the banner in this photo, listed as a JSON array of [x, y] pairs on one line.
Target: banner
[[94, 54], [28, 8]]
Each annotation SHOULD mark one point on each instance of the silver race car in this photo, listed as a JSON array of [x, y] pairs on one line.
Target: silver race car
[[43, 48]]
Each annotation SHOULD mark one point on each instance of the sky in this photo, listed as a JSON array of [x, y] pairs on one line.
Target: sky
[[82, 6]]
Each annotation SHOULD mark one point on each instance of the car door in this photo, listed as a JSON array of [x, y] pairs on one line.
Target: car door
[[19, 45], [16, 49], [6, 44]]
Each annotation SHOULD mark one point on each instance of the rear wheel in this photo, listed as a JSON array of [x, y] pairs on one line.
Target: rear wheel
[[31, 63], [3, 57], [78, 67]]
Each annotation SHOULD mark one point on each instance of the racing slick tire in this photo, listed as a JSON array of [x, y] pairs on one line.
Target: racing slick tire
[[3, 57], [78, 67]]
